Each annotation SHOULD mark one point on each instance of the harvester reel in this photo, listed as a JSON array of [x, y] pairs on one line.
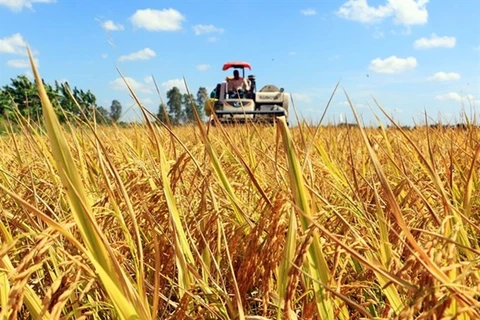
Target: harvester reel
[[270, 88]]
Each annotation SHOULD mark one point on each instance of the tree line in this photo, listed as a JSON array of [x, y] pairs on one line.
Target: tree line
[[179, 107], [21, 96]]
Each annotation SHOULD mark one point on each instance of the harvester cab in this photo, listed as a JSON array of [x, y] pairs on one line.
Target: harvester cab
[[237, 100]]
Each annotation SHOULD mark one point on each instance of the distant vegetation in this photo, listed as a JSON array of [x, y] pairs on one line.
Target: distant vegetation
[[20, 97], [179, 106], [243, 222], [405, 127]]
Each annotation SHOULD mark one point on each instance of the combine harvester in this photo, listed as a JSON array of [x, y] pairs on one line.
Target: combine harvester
[[236, 100]]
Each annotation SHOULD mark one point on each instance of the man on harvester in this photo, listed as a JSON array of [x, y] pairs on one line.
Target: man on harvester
[[237, 84]]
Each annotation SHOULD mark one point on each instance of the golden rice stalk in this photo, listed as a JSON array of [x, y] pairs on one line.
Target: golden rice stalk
[[385, 258], [457, 223], [239, 158], [4, 290], [183, 253], [240, 215], [288, 257], [119, 288], [317, 265], [31, 299], [467, 197], [4, 283], [464, 300], [184, 256], [138, 253], [238, 299]]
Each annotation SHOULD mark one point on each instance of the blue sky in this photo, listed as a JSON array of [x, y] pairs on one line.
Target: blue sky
[[411, 55]]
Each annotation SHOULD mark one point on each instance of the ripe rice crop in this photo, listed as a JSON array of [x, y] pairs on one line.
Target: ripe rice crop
[[249, 222]]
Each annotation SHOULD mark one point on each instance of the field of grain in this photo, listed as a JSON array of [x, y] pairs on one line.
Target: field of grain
[[247, 222]]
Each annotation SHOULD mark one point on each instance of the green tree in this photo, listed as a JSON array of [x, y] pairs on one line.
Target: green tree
[[187, 101], [202, 96], [102, 116], [162, 113], [5, 102], [88, 102], [65, 100], [22, 94], [174, 104], [115, 110]]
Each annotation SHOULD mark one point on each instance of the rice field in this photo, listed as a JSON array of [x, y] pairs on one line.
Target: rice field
[[247, 222]]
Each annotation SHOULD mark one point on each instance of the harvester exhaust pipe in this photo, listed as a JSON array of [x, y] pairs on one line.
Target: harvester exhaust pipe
[[253, 85]]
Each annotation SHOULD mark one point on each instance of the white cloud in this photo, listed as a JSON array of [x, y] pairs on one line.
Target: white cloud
[[477, 48], [292, 53], [212, 39], [21, 63], [454, 96], [449, 96], [405, 12], [109, 25], [14, 44], [206, 28], [444, 76], [435, 42], [359, 10], [203, 67], [148, 80], [18, 5], [300, 97], [169, 84], [355, 105], [309, 12], [104, 55], [158, 20], [144, 54], [119, 84], [147, 101], [409, 12], [393, 64]]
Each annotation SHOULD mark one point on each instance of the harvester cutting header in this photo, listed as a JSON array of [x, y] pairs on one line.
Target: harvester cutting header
[[237, 100]]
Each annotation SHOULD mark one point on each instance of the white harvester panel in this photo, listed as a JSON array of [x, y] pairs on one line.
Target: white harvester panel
[[238, 106], [269, 97]]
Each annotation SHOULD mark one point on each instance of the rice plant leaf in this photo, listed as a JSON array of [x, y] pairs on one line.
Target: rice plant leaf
[[423, 258], [318, 267], [183, 253], [4, 289], [285, 263], [385, 258], [467, 198], [32, 300], [102, 256], [240, 215]]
